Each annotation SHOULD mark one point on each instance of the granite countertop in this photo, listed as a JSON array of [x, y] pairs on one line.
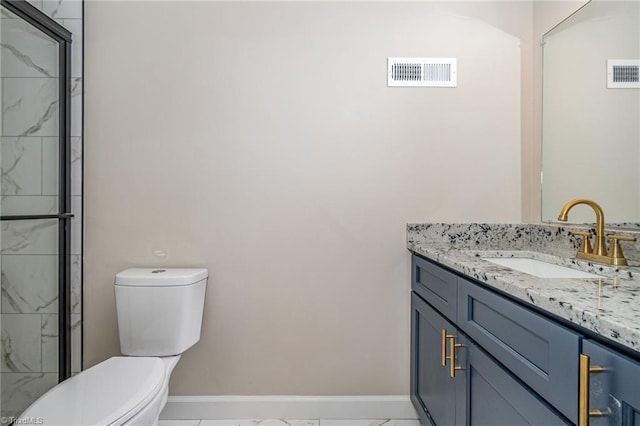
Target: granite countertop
[[608, 306]]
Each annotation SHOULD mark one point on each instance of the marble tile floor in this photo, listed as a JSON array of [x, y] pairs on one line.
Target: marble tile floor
[[282, 422]]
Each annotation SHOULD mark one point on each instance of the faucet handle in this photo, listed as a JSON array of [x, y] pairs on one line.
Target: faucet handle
[[617, 257], [585, 246]]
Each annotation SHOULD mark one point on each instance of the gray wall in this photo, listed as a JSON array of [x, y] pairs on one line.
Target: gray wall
[[259, 140]]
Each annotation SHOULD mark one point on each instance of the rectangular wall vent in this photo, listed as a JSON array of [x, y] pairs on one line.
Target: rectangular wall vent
[[623, 73], [421, 72]]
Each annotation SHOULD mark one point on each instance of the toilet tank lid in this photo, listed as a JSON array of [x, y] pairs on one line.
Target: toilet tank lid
[[160, 277]]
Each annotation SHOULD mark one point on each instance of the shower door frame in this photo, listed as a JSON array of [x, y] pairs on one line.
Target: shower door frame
[[57, 32]]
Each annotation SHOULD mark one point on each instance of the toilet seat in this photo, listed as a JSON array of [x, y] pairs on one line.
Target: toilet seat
[[109, 393]]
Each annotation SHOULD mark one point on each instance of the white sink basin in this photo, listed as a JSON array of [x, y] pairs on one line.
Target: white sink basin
[[539, 268]]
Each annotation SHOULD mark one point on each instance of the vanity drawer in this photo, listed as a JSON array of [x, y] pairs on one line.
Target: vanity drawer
[[435, 285], [541, 353]]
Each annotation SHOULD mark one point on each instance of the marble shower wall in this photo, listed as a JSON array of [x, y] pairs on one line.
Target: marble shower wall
[[29, 185]]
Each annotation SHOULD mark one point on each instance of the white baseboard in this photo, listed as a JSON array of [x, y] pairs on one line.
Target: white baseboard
[[288, 407]]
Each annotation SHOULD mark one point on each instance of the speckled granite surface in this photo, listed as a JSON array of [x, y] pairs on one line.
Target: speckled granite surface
[[609, 306]]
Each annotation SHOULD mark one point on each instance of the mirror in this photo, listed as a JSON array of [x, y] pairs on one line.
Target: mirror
[[590, 125]]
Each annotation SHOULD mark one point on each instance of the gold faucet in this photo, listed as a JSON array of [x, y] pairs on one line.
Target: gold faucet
[[599, 251], [600, 248]]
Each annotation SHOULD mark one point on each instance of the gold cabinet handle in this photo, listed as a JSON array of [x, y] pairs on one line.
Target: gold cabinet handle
[[583, 392], [444, 347], [445, 336], [452, 356]]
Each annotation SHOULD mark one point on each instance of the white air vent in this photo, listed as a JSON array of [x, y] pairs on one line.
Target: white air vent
[[623, 73], [422, 72]]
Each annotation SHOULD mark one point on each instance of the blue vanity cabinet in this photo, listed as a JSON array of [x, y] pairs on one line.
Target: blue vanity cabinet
[[481, 389], [514, 365], [612, 388], [453, 380], [437, 397]]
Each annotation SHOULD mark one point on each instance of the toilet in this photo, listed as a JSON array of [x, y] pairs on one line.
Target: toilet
[[159, 317]]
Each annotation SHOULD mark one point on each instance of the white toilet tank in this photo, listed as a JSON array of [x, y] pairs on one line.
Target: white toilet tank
[[159, 310]]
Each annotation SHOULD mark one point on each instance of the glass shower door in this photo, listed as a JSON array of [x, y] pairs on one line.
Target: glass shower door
[[34, 207]]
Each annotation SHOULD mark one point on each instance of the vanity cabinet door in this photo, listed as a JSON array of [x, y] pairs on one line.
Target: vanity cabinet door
[[437, 397], [614, 390], [538, 351], [496, 398]]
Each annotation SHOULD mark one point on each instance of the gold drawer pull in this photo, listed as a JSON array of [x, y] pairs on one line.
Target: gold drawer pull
[[444, 347], [445, 336], [452, 357], [583, 392]]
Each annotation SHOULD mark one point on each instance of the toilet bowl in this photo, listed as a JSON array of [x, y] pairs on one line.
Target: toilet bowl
[[159, 316], [119, 391]]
